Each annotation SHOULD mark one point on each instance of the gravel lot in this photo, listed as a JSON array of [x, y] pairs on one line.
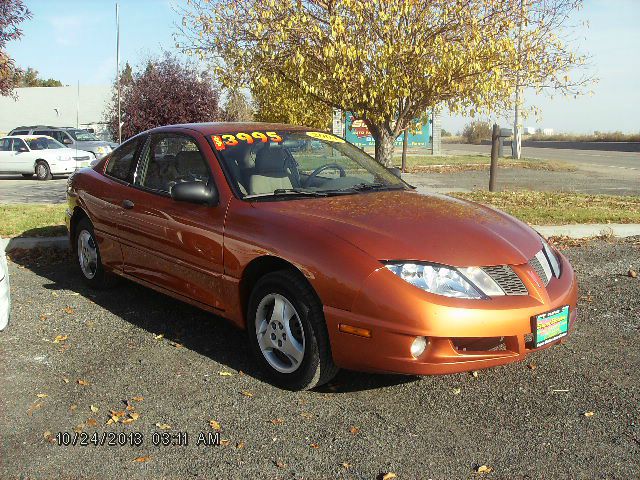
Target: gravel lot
[[523, 420]]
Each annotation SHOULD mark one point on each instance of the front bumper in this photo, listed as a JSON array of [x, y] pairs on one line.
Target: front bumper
[[463, 335], [63, 168]]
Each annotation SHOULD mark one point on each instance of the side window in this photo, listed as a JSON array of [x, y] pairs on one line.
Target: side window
[[5, 145], [20, 132], [18, 143], [42, 132], [121, 161], [168, 159]]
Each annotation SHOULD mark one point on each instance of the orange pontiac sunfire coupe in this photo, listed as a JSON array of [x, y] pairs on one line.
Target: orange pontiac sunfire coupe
[[325, 257]]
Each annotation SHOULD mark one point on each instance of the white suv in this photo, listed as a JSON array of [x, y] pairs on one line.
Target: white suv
[[39, 155]]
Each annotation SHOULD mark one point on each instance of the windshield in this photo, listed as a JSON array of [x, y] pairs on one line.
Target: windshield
[[44, 143], [289, 163], [82, 135]]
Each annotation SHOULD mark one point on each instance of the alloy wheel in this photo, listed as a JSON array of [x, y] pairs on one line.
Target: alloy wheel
[[87, 254]]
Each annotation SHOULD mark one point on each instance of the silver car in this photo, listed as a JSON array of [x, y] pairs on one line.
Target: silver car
[[71, 137], [5, 297]]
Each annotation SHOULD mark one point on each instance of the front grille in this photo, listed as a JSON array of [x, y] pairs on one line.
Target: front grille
[[506, 279], [537, 264]]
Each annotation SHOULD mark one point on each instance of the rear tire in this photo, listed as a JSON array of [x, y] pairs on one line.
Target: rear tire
[[288, 333], [43, 172], [88, 257]]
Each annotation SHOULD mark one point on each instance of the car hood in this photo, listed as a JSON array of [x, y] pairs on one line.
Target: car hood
[[89, 144], [402, 225]]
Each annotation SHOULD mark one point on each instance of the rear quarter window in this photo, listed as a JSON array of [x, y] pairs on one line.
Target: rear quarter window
[[121, 163]]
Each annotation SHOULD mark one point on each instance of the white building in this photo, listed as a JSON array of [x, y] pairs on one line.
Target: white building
[[56, 106]]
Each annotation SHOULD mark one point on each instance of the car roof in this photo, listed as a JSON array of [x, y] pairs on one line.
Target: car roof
[[47, 127], [26, 137], [213, 128]]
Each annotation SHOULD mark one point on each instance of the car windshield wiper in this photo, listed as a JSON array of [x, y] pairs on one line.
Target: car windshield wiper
[[281, 192], [360, 187]]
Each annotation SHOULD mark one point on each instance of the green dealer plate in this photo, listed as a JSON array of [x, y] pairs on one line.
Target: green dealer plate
[[551, 326]]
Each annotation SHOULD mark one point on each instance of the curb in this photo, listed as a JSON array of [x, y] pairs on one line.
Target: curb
[[28, 243]]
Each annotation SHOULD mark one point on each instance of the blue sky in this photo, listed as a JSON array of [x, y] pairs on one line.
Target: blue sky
[[74, 40]]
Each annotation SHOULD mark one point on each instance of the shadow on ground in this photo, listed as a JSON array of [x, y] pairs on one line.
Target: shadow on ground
[[195, 329]]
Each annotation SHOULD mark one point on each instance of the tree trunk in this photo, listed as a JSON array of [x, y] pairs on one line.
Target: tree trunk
[[385, 145]]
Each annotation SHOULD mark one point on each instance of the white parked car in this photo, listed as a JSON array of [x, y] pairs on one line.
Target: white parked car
[[39, 155], [5, 297]]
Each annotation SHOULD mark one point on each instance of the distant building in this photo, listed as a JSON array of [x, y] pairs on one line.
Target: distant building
[[529, 130], [545, 131], [58, 107]]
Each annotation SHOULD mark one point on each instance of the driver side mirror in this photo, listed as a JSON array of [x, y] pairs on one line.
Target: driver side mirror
[[22, 149], [195, 192], [67, 141], [396, 171]]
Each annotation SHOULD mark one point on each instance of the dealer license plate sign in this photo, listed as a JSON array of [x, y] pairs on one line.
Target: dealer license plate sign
[[551, 326]]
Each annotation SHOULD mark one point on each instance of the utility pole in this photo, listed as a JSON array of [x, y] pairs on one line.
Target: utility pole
[[118, 70], [516, 142], [495, 145]]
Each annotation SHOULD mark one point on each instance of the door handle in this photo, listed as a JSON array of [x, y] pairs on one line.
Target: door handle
[[128, 204]]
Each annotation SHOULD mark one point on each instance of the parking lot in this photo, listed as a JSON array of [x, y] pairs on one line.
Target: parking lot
[[75, 358]]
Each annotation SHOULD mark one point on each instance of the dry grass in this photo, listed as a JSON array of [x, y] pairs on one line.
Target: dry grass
[[594, 137], [556, 208], [464, 163]]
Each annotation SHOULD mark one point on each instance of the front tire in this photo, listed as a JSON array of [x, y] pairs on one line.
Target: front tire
[[43, 172], [288, 333], [88, 257]]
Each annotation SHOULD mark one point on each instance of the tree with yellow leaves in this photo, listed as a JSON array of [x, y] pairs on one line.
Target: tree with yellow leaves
[[385, 60]]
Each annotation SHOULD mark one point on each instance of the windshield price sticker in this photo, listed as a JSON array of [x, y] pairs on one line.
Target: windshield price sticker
[[221, 142], [327, 137]]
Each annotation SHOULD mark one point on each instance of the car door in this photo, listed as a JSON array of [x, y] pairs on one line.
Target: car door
[[174, 245], [23, 160], [6, 156], [104, 200]]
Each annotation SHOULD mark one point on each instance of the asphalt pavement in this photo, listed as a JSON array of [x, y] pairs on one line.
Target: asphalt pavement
[[629, 161], [73, 358]]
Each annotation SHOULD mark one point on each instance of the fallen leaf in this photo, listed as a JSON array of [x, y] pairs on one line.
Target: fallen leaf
[[134, 415], [389, 476], [314, 445], [130, 408], [589, 414], [91, 422], [43, 317], [159, 337], [78, 428], [474, 373], [127, 421], [83, 382], [247, 394], [532, 366], [632, 273], [33, 408], [240, 445], [94, 409], [118, 414], [306, 415], [457, 390], [42, 395], [346, 465], [65, 379], [72, 407], [215, 425], [484, 469], [279, 464], [225, 374], [47, 434], [60, 338], [354, 430], [142, 459], [138, 398], [277, 421], [68, 310], [163, 426], [224, 441]]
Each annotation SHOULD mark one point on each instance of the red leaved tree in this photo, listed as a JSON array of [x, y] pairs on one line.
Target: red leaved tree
[[164, 91], [12, 14]]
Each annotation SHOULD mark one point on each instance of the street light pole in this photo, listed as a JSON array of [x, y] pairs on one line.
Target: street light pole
[[516, 142], [118, 70]]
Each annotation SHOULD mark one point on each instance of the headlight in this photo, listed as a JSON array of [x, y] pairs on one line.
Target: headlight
[[551, 256], [436, 279]]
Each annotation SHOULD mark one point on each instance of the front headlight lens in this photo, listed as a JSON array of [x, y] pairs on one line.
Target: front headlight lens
[[101, 150], [436, 279]]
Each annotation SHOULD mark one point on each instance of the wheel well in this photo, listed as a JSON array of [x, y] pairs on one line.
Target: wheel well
[[78, 214], [259, 267]]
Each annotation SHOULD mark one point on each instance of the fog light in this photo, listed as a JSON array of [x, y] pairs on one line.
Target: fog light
[[418, 346]]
